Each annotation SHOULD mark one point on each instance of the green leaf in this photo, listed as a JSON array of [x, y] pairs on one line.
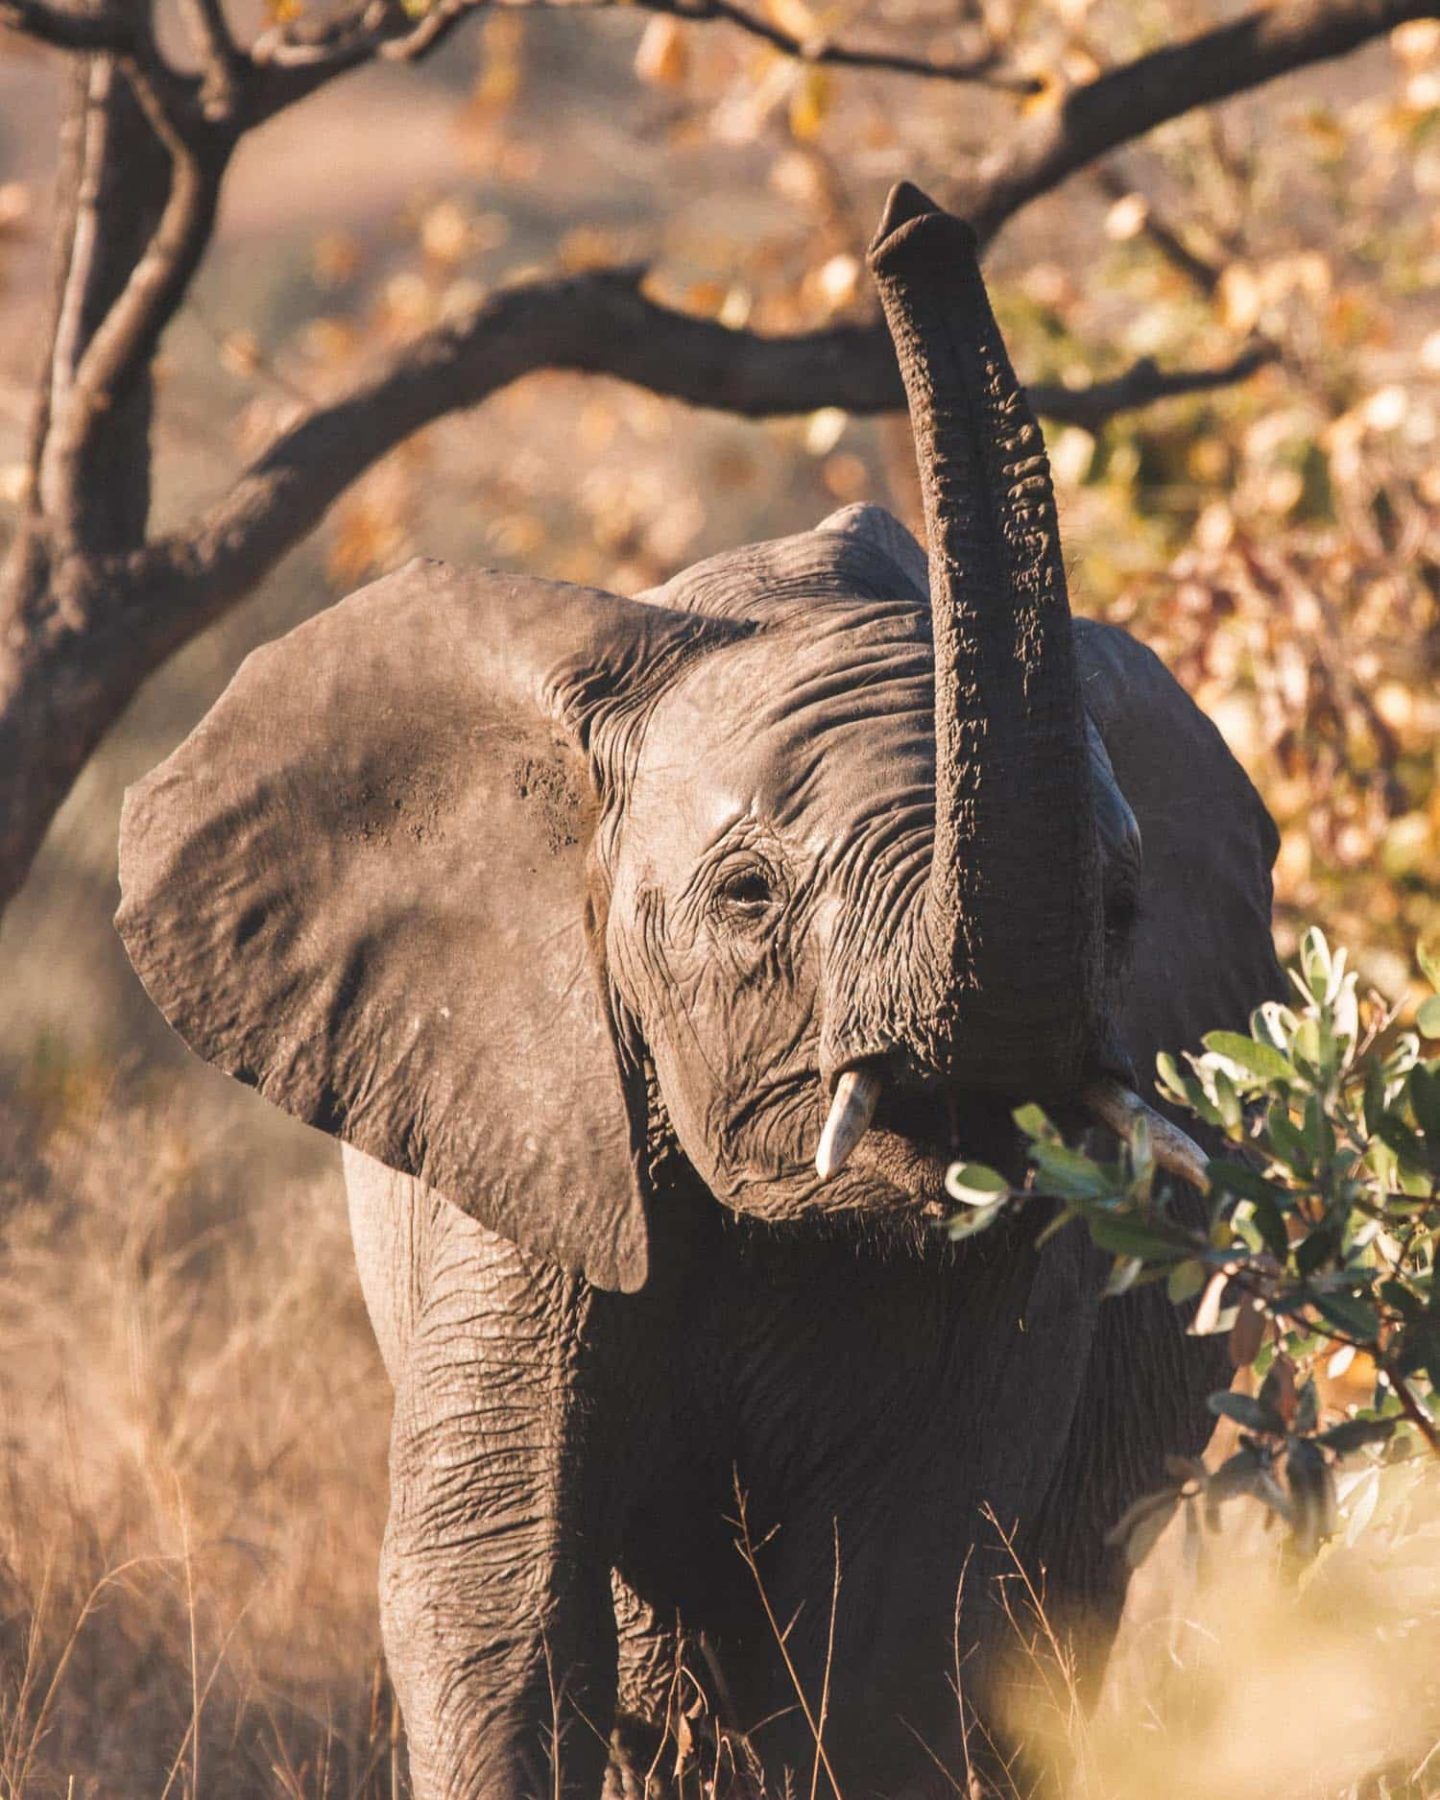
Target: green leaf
[[1315, 1249], [1286, 1140], [975, 1184], [1306, 1048], [1143, 1539], [1373, 1105], [972, 1221], [1035, 1123], [1184, 1089], [1172, 1077], [1238, 1474], [1270, 1223], [1423, 1085], [1428, 1017], [1227, 1101], [1124, 1235], [1400, 1299], [1068, 1175], [1355, 1434], [1143, 1524], [1260, 1060], [1125, 1271], [1357, 1318], [1185, 1281], [1315, 960], [1240, 1180], [1408, 1145], [1429, 964], [1246, 1411], [1312, 1495], [1273, 1024]]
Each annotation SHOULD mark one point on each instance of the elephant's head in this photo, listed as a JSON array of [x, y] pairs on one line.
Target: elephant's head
[[513, 885]]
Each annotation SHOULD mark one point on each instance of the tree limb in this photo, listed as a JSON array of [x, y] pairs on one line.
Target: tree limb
[[1143, 385], [1125, 103], [988, 68], [293, 66], [65, 29], [89, 467], [221, 64], [124, 341], [1199, 270], [599, 324]]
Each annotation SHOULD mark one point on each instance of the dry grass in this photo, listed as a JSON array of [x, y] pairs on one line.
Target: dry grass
[[194, 1426], [1238, 1675]]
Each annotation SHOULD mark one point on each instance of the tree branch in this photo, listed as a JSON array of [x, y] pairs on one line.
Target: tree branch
[[221, 64], [91, 468], [124, 341], [287, 67], [1167, 239], [1143, 385], [988, 68], [598, 324], [1125, 103], [65, 29], [294, 66]]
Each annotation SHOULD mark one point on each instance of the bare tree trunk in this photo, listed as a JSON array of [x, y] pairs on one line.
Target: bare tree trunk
[[61, 681]]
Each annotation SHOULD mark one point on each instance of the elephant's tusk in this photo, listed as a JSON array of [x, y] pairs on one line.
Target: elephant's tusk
[[1118, 1108], [857, 1094]]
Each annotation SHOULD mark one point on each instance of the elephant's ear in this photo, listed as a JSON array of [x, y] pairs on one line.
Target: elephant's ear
[[363, 887], [1202, 955]]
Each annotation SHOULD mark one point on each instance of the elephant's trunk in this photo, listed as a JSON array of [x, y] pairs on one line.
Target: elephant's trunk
[[1005, 995]]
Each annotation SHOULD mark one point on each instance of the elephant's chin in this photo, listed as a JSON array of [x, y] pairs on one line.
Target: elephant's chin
[[916, 1138], [915, 1172], [898, 1167]]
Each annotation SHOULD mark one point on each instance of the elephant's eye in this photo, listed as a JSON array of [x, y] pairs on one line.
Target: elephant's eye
[[746, 892]]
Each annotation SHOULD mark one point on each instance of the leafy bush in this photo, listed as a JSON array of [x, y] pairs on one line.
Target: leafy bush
[[1315, 1249]]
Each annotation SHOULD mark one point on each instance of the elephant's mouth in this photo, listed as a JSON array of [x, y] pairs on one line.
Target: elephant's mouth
[[910, 1138], [915, 1137]]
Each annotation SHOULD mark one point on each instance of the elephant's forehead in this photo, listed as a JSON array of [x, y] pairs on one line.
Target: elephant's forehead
[[821, 728]]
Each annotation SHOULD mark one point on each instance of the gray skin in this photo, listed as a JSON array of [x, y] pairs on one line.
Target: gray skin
[[565, 913]]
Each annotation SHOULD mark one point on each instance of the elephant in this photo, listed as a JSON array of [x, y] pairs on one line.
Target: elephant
[[652, 959]]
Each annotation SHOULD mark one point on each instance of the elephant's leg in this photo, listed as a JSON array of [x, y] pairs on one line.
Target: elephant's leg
[[651, 1695], [495, 1585]]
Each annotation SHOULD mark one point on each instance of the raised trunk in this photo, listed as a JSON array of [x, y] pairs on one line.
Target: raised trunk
[[1005, 996]]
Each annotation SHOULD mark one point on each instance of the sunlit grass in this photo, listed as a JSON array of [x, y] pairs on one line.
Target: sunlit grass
[[192, 1467]]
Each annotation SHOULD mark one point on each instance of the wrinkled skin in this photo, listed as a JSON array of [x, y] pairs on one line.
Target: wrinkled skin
[[564, 913]]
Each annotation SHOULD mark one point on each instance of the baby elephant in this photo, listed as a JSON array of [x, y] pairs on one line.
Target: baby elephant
[[652, 959]]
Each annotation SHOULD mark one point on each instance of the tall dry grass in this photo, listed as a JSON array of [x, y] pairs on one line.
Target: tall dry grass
[[192, 1464], [1240, 1672]]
